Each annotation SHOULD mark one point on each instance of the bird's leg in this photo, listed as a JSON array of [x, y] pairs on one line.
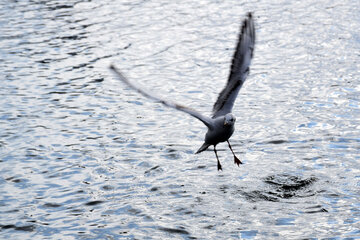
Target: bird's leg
[[218, 162], [236, 160]]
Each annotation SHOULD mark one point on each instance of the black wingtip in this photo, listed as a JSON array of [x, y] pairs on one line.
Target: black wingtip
[[246, 22]]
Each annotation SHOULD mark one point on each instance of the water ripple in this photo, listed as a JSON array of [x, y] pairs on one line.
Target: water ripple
[[82, 156]]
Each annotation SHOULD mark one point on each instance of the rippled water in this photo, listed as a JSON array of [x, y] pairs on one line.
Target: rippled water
[[85, 157]]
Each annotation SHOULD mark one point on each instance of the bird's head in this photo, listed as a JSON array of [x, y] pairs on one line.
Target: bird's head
[[229, 119]]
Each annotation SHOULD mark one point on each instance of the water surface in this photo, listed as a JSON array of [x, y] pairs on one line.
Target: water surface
[[84, 157]]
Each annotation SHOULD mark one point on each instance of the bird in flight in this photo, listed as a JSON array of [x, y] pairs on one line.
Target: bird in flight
[[221, 124]]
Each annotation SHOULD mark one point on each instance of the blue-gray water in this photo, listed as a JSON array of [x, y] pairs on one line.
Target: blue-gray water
[[84, 157]]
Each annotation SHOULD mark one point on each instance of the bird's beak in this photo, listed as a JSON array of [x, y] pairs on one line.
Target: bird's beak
[[225, 123]]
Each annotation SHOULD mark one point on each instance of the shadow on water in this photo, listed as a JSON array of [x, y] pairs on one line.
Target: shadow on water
[[282, 186]]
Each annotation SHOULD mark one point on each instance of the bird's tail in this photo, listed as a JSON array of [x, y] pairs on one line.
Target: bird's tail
[[203, 148]]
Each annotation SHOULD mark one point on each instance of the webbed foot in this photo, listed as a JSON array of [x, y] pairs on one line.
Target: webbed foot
[[237, 161], [219, 166]]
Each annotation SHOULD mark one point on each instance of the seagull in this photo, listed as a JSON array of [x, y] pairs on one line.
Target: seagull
[[221, 124]]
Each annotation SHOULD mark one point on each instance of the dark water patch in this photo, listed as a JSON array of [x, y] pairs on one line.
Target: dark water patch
[[25, 228], [119, 139], [180, 230], [52, 205], [127, 46], [154, 189], [285, 186], [185, 211], [58, 92], [258, 195], [93, 203], [153, 171], [44, 61], [209, 227], [8, 226], [315, 209], [277, 142], [282, 186], [76, 212], [39, 126], [313, 158], [180, 194], [62, 83], [171, 153], [107, 187], [289, 182], [133, 211], [93, 138], [224, 188], [103, 57], [9, 211], [291, 194], [97, 80], [201, 167], [14, 179], [60, 6], [72, 37], [81, 65]]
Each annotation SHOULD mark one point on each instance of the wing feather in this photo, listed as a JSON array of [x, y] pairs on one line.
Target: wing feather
[[239, 68], [206, 120]]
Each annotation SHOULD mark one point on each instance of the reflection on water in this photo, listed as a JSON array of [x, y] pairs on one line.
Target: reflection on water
[[83, 156]]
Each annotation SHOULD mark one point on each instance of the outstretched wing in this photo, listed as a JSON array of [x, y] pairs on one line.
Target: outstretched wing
[[206, 120], [239, 68]]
